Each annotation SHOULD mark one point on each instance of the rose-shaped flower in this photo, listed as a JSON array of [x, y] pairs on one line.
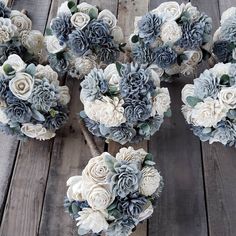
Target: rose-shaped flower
[[86, 8], [80, 20], [228, 30], [96, 170], [227, 96], [208, 113], [53, 44], [150, 181], [64, 9], [170, 32], [188, 90], [20, 20], [192, 12], [108, 17], [47, 72], [165, 57], [15, 62], [57, 120], [3, 116], [64, 95], [222, 50], [99, 197], [92, 220], [193, 57], [161, 102], [85, 64], [117, 34], [74, 191], [112, 76], [21, 85], [7, 30], [187, 112], [146, 213]]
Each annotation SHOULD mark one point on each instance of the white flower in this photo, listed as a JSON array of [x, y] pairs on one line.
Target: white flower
[[53, 44], [64, 9], [74, 191], [216, 35], [117, 34], [80, 20], [161, 103], [112, 76], [168, 10], [174, 69], [227, 96], [64, 95], [86, 8], [208, 113], [15, 62], [108, 17], [187, 112], [107, 111], [146, 213], [192, 11], [220, 69], [37, 131], [228, 13], [7, 30], [96, 170], [91, 220], [85, 64], [170, 32], [193, 57], [2, 103], [22, 85], [188, 90], [3, 116], [48, 73], [136, 28], [99, 196], [20, 20], [150, 181], [234, 54]]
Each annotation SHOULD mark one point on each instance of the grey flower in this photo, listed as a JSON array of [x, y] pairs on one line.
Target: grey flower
[[108, 53], [44, 95], [58, 63], [207, 85], [149, 27], [206, 23], [232, 74], [5, 12], [78, 42], [92, 126], [61, 27], [198, 131], [98, 32], [4, 86], [228, 30], [223, 51], [125, 178], [13, 131], [165, 57]]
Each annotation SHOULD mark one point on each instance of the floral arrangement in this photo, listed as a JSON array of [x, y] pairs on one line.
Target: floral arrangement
[[17, 36], [114, 194], [224, 47], [32, 104], [210, 104], [172, 38], [124, 102], [82, 37]]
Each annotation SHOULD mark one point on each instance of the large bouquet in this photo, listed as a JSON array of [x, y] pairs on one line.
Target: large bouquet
[[17, 37], [210, 104], [124, 102], [114, 194], [224, 38], [172, 38], [32, 104], [83, 37]]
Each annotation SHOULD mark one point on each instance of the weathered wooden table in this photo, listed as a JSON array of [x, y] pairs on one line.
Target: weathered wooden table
[[199, 197]]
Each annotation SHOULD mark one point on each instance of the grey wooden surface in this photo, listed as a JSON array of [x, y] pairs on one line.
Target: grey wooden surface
[[199, 197]]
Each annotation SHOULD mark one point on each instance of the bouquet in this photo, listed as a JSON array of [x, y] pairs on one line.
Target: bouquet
[[32, 104], [82, 37], [210, 104], [172, 38], [124, 102], [224, 47], [17, 36], [114, 194]]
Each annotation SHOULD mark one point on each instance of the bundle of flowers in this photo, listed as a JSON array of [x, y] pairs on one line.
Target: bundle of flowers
[[32, 104], [210, 104], [172, 38], [17, 36], [224, 47], [124, 102], [114, 194], [83, 37]]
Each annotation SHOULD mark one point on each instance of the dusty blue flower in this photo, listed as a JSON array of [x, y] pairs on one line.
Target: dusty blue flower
[[4, 88], [5, 12], [58, 63], [199, 131], [61, 27], [223, 51], [92, 126], [13, 131], [149, 27], [228, 30], [78, 42], [206, 23], [165, 57], [232, 74], [125, 178], [108, 53]]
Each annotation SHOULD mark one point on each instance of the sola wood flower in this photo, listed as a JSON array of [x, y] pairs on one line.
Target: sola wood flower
[[113, 195], [210, 104], [32, 104], [81, 38], [172, 38]]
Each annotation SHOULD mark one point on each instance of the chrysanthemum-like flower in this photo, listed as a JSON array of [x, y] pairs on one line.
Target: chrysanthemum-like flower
[[165, 57], [4, 10], [222, 50], [92, 126], [59, 64], [228, 30], [7, 30], [108, 53]]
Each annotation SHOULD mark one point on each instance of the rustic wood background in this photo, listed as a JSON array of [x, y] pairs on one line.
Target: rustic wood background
[[199, 197]]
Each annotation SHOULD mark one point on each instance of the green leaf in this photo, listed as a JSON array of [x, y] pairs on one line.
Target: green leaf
[[149, 163], [53, 113], [72, 6], [48, 32], [118, 67], [74, 208], [135, 39], [181, 58], [110, 161], [206, 130], [192, 101], [93, 13], [148, 157], [9, 70], [232, 46], [37, 115], [168, 113], [144, 129], [224, 79], [31, 69]]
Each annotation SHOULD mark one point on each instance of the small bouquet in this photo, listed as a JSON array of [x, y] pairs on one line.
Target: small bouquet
[[82, 37], [114, 194], [32, 104], [17, 37], [172, 38], [210, 104], [224, 47], [124, 102]]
